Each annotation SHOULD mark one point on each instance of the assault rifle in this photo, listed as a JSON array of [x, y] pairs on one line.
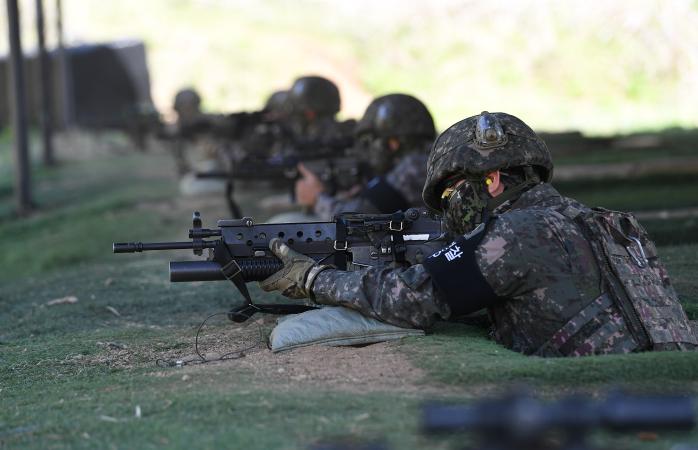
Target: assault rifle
[[353, 241], [334, 162], [519, 421]]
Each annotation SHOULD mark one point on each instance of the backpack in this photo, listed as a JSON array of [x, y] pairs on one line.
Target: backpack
[[635, 278]]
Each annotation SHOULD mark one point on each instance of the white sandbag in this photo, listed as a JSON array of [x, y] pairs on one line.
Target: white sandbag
[[334, 326]]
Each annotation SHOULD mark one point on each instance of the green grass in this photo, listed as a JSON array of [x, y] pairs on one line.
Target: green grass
[[56, 392], [85, 407], [82, 208]]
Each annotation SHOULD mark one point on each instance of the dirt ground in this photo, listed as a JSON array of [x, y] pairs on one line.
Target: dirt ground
[[243, 348]]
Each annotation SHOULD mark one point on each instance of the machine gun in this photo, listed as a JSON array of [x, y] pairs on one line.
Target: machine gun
[[333, 161], [518, 421], [353, 241]]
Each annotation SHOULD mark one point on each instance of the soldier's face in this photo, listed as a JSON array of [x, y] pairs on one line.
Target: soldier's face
[[376, 151], [463, 203]]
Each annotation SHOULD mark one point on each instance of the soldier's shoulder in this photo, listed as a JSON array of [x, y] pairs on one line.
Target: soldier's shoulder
[[518, 219], [411, 160]]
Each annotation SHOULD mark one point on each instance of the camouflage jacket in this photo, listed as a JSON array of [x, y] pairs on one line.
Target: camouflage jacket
[[406, 179], [535, 260]]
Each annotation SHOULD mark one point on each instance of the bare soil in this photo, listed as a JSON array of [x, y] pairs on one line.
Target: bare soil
[[243, 348]]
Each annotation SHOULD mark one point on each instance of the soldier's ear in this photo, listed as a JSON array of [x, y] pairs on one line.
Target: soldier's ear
[[494, 183]]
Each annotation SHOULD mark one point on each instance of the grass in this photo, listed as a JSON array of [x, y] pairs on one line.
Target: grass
[[56, 392], [83, 406]]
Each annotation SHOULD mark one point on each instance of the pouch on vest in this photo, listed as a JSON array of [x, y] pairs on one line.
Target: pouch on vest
[[637, 281]]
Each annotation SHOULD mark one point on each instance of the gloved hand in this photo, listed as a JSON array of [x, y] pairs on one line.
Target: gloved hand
[[295, 279]]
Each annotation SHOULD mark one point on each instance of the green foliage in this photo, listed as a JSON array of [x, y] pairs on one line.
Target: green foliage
[[617, 66]]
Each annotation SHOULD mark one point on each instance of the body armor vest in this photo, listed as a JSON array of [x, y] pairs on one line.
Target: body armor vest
[[634, 280]]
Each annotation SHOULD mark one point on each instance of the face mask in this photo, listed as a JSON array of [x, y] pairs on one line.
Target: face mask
[[464, 206], [376, 152]]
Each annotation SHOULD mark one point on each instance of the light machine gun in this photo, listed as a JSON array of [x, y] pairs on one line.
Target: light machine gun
[[353, 241]]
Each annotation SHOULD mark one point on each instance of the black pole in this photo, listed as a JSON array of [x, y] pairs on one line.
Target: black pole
[[45, 89], [66, 111], [18, 110]]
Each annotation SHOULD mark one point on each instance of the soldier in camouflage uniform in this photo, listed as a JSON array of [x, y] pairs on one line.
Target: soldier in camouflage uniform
[[191, 131], [313, 104], [395, 133], [520, 252]]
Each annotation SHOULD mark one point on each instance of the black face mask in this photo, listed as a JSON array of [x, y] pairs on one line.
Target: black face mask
[[376, 151], [464, 208]]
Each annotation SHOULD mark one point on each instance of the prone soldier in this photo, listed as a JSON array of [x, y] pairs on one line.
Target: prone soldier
[[394, 135], [192, 131], [313, 103], [557, 278]]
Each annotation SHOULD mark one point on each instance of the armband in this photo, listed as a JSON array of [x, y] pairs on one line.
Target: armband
[[458, 280]]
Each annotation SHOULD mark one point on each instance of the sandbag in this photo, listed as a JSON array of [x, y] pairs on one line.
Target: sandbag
[[334, 326]]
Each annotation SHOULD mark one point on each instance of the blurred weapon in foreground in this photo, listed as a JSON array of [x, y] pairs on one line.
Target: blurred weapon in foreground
[[519, 421]]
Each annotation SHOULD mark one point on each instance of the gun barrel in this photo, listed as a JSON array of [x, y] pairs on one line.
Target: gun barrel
[[214, 174], [253, 269], [650, 413], [136, 247], [183, 271]]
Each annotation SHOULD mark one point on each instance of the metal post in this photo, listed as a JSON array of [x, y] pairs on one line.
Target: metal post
[[18, 112], [45, 88], [66, 106]]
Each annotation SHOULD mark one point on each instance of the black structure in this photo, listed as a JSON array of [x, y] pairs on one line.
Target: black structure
[[100, 85], [18, 113], [45, 88]]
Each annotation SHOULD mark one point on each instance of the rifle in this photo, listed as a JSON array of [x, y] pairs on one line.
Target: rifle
[[352, 241], [334, 162], [518, 421]]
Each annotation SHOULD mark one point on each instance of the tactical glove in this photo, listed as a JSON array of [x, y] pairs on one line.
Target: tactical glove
[[296, 278]]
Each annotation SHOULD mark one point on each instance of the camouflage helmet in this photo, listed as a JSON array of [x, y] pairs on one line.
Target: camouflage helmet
[[480, 145], [187, 98], [397, 115], [316, 94]]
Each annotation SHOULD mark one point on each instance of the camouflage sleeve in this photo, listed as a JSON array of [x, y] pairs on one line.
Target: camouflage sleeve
[[404, 296], [408, 176]]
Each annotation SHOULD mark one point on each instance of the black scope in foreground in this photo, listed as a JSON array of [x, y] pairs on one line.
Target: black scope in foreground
[[521, 417]]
